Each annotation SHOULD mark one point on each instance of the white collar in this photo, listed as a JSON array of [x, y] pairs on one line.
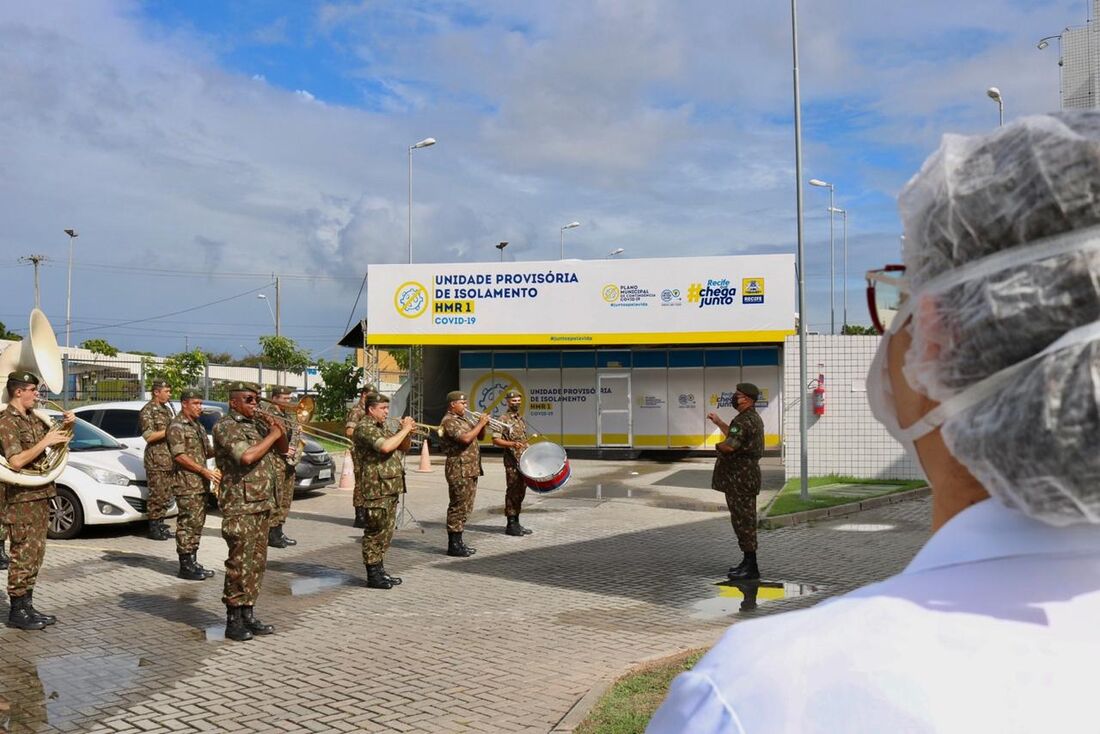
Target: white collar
[[990, 530]]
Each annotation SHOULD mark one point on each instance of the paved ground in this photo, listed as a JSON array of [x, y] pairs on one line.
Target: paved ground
[[622, 567]]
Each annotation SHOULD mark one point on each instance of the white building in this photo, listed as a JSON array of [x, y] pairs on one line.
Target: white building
[[1080, 64]]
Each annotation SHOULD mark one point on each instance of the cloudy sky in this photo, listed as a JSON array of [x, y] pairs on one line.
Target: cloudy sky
[[200, 147]]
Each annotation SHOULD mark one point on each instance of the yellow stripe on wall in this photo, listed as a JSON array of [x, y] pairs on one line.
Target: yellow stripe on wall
[[574, 340], [657, 441], [616, 438]]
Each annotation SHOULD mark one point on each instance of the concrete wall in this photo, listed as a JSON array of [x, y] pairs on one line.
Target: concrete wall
[[847, 440]]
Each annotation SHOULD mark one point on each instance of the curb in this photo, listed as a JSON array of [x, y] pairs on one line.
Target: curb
[[824, 513]]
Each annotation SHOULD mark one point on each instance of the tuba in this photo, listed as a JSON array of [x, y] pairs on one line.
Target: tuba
[[37, 353]]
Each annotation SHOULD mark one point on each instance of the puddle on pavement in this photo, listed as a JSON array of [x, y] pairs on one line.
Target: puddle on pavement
[[732, 597], [57, 689], [314, 584], [652, 497], [215, 633]]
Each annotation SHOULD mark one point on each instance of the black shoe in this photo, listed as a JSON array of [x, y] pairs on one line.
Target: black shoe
[[395, 580], [360, 518], [514, 528], [748, 572], [5, 559], [288, 541], [275, 538], [189, 570], [206, 572], [739, 567], [254, 625], [376, 579], [235, 628], [158, 531], [47, 618], [21, 616], [455, 546]]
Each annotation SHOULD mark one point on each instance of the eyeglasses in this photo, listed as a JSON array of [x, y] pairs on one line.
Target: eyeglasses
[[887, 290], [248, 399]]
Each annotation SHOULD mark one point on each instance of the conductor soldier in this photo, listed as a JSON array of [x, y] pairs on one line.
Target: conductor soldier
[[737, 473], [459, 440]]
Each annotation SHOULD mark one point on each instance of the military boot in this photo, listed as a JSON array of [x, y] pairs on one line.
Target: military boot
[[275, 538], [455, 546], [5, 559], [254, 625], [360, 517], [158, 531], [47, 618], [188, 569], [21, 617], [749, 571], [395, 580], [287, 540], [206, 572], [235, 628], [376, 579], [739, 567], [514, 528]]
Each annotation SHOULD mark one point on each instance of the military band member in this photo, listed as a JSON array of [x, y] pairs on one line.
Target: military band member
[[247, 445], [459, 441], [285, 477], [190, 448], [514, 443], [737, 473], [159, 469], [356, 414], [378, 467], [24, 438]]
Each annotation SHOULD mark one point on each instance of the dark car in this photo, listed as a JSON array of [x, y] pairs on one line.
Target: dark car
[[120, 419]]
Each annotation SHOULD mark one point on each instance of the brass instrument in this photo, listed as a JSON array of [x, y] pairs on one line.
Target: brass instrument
[[427, 430], [303, 409], [496, 424]]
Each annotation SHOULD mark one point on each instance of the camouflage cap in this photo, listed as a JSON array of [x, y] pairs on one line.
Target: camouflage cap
[[377, 399], [241, 386], [749, 390], [280, 390], [158, 383], [22, 379], [454, 395], [191, 393], [512, 394], [368, 389]]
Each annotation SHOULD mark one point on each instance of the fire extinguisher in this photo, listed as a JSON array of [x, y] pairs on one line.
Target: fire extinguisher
[[819, 392]]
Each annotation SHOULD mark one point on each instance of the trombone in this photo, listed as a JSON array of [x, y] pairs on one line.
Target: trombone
[[303, 409]]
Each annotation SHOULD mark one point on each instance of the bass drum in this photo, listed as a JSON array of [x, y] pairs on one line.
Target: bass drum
[[545, 467]]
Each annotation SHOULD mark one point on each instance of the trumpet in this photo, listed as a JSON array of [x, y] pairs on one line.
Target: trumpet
[[499, 426], [427, 430]]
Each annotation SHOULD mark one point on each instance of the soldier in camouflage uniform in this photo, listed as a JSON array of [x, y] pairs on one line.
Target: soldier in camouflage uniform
[[514, 442], [737, 473], [355, 415], [24, 438], [190, 448], [159, 469], [379, 469], [247, 445], [4, 559], [285, 477], [459, 441]]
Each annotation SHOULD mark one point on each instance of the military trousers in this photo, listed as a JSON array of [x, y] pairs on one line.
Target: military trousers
[[516, 489], [359, 495], [742, 505], [378, 532], [190, 521], [27, 523], [284, 494], [246, 536], [460, 493], [161, 484]]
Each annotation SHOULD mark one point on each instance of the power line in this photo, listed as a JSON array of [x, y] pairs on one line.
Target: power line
[[175, 272]]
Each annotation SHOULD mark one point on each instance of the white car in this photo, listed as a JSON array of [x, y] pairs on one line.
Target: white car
[[103, 483]]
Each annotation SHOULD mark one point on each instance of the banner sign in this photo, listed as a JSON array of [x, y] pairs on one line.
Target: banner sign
[[701, 300]]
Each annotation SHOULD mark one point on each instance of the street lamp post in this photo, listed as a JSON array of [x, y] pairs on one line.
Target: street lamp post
[[501, 247], [800, 271], [571, 225], [263, 298], [422, 144], [995, 94], [1043, 43], [844, 289], [832, 269], [613, 253], [69, 290]]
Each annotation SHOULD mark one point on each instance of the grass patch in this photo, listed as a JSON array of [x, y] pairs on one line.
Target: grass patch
[[330, 446], [788, 500], [629, 704]]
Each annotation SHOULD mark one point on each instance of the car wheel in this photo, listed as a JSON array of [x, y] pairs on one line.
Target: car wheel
[[66, 515]]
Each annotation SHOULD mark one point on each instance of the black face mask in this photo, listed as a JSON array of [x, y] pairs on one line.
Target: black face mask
[[513, 408]]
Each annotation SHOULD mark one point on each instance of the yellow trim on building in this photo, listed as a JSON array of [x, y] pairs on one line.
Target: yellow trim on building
[[582, 340]]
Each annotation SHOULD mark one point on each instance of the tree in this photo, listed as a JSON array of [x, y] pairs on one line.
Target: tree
[[181, 370], [341, 385], [142, 353], [283, 353], [9, 335], [857, 330], [99, 346]]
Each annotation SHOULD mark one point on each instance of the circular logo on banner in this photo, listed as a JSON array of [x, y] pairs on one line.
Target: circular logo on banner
[[488, 391], [610, 293], [411, 299]]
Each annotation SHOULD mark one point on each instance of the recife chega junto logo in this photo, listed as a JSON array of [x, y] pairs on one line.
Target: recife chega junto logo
[[719, 292], [411, 299]]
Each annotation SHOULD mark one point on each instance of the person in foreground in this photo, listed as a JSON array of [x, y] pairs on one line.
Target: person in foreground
[[989, 374]]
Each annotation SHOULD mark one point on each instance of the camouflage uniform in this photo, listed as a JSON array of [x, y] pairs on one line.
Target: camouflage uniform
[[27, 511], [383, 479], [187, 437], [285, 475], [160, 471], [738, 475], [462, 470], [516, 487], [355, 417], [246, 499]]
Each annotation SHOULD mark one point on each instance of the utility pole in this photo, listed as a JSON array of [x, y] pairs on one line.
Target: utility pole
[[277, 296], [35, 260]]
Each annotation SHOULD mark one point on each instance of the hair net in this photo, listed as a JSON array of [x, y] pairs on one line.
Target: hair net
[[1002, 255]]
